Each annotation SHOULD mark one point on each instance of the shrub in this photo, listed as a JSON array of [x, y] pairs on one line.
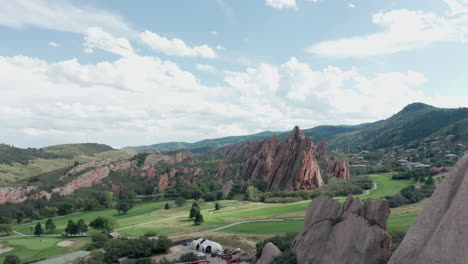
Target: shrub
[[209, 197], [99, 240], [287, 257], [283, 242], [150, 234]]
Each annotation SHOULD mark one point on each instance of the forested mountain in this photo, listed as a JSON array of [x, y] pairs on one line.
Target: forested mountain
[[414, 122]]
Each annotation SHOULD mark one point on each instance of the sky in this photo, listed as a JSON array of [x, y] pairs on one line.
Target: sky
[[127, 73]]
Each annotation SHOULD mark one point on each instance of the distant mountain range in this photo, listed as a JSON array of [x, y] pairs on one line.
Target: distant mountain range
[[416, 121]]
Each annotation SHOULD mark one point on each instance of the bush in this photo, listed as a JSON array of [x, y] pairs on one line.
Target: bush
[[12, 259], [180, 202], [187, 257], [99, 240], [397, 237], [209, 197], [150, 234]]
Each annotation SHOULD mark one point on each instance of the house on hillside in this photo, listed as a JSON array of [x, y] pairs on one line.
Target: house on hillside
[[113, 235]]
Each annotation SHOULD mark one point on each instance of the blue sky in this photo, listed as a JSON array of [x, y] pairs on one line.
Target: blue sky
[[132, 73]]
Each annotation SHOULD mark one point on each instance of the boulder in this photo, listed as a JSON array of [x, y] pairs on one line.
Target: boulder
[[349, 233], [440, 233], [269, 253]]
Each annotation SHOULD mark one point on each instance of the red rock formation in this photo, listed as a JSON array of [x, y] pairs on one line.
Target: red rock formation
[[15, 194], [295, 166], [226, 189], [184, 170], [291, 165], [172, 173], [150, 173], [118, 190], [87, 165], [340, 169], [322, 150], [87, 179], [198, 172], [220, 171], [353, 232], [163, 182]]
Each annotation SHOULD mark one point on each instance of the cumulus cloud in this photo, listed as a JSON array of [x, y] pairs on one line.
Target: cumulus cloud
[[280, 4], [403, 30], [95, 37], [59, 15], [175, 46], [205, 67], [53, 44]]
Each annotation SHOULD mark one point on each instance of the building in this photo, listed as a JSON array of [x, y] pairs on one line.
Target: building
[[206, 246], [113, 235]]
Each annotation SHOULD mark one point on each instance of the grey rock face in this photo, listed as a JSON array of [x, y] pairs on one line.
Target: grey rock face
[[440, 232], [349, 233], [269, 253]]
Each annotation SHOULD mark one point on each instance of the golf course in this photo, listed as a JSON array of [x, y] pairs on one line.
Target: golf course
[[236, 217]]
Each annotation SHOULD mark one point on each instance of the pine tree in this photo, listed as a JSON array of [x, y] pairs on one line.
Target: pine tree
[[198, 220], [50, 225], [167, 206], [72, 228], [217, 206], [194, 210], [38, 231], [81, 226]]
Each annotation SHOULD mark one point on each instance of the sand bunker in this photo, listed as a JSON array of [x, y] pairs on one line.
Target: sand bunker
[[3, 250], [65, 243]]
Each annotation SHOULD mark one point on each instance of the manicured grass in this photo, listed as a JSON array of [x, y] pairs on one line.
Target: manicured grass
[[35, 248], [266, 228], [386, 186], [400, 223]]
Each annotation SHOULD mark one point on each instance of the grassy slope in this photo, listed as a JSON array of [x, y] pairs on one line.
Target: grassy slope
[[86, 149], [18, 171], [35, 248], [266, 228]]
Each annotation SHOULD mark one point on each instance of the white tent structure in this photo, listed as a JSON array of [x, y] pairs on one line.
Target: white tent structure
[[206, 246]]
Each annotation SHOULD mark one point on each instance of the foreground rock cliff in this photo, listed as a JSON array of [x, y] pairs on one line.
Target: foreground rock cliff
[[288, 166], [440, 232], [349, 233]]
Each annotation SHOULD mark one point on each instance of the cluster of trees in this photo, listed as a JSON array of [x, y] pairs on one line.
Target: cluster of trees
[[411, 194], [283, 242], [195, 214], [7, 229], [137, 248], [416, 174], [334, 187]]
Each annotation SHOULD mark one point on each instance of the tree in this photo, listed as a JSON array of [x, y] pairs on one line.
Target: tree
[[217, 206], [193, 211], [123, 207], [104, 223], [38, 231], [50, 225], [12, 259], [108, 196], [167, 206], [82, 227], [6, 228], [99, 240], [50, 211], [196, 195], [65, 208], [180, 202], [198, 220], [72, 228], [163, 244]]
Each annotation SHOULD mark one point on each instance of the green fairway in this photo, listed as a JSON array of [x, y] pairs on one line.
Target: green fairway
[[400, 223], [36, 248], [266, 228], [386, 186]]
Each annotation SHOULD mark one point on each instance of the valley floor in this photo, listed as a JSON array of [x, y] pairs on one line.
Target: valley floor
[[237, 224]]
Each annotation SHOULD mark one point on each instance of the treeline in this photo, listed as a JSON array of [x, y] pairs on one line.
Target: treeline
[[416, 174], [412, 194], [334, 187]]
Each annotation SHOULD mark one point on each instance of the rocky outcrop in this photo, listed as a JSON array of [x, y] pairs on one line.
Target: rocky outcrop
[[92, 177], [184, 170], [349, 233], [163, 182], [92, 164], [172, 173], [440, 234], [322, 149], [269, 253], [340, 169], [149, 173], [226, 189], [288, 166], [87, 179], [295, 166], [15, 194], [198, 172], [153, 159]]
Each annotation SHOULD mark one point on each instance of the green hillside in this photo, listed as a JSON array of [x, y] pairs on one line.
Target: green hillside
[[459, 129], [414, 122], [71, 150]]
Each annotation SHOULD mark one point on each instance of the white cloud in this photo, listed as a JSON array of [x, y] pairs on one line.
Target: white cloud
[[351, 5], [59, 15], [219, 47], [402, 30], [95, 37], [53, 44], [280, 4], [214, 33], [457, 6], [175, 46], [205, 68]]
